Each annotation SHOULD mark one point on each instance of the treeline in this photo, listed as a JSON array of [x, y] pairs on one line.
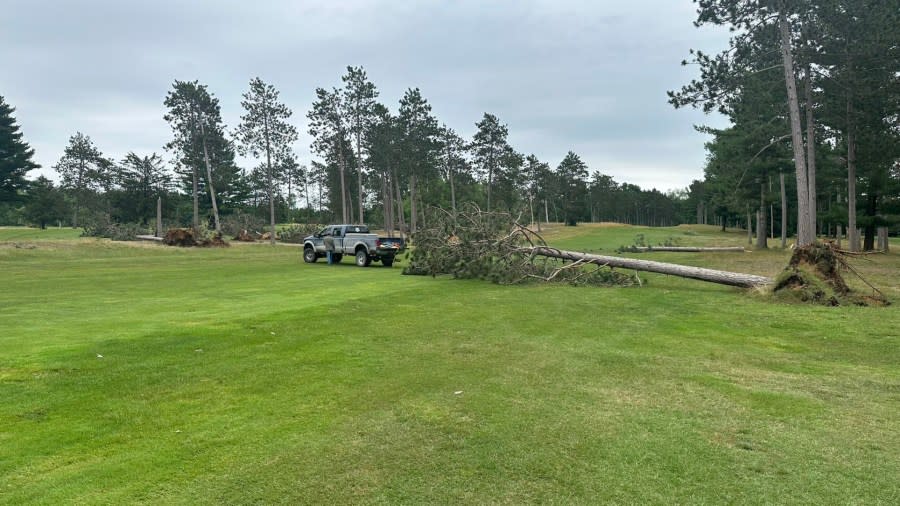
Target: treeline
[[374, 165], [812, 89]]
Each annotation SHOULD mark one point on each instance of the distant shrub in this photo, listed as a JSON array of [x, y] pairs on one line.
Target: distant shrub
[[103, 226], [233, 224], [671, 241], [296, 232]]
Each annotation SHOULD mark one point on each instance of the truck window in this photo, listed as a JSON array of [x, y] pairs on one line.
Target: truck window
[[358, 229]]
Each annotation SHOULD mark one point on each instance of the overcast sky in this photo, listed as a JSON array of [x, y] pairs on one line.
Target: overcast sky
[[588, 76]]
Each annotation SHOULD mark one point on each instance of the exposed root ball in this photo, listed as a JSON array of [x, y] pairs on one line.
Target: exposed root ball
[[814, 276], [184, 237]]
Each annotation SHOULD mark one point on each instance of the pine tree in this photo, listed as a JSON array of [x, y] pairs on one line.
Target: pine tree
[[83, 170], [15, 156], [381, 140], [143, 180], [453, 150], [488, 146], [328, 128], [196, 121], [419, 146], [45, 203], [572, 174], [359, 102], [762, 27], [264, 131]]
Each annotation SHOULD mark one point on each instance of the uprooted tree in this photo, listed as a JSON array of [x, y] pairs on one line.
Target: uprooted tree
[[495, 247]]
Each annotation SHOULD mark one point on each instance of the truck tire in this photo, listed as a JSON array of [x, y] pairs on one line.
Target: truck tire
[[387, 262], [309, 255], [362, 258]]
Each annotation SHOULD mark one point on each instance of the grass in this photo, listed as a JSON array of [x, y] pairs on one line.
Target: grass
[[139, 373], [11, 234]]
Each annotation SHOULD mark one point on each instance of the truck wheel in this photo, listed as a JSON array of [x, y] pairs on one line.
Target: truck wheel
[[309, 255], [387, 262], [362, 258], [336, 257]]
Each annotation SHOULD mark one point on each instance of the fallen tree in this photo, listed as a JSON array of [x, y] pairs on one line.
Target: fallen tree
[[496, 247], [683, 249], [683, 271]]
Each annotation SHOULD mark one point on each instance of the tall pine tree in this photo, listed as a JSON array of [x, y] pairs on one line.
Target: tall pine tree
[[83, 170], [265, 132], [196, 121], [15, 156]]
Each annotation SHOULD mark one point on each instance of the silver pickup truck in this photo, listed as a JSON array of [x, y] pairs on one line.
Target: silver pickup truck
[[352, 240]]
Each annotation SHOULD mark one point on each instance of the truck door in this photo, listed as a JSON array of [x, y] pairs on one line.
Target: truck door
[[339, 239]]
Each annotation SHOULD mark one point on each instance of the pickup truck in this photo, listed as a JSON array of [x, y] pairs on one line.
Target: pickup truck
[[352, 240]]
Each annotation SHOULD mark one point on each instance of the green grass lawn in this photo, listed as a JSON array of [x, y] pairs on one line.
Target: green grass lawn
[[140, 373], [12, 234]]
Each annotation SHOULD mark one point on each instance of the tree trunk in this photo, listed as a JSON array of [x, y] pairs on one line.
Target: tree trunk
[[306, 193], [209, 181], [852, 235], [270, 185], [871, 208], [783, 211], [805, 236], [388, 206], [839, 227], [359, 172], [401, 214], [345, 216], [810, 152], [762, 220], [452, 189], [710, 275], [412, 204], [195, 193], [685, 249], [530, 208], [883, 239], [158, 216], [749, 228]]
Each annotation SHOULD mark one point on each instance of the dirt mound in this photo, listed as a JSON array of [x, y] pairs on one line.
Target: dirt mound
[[215, 241], [244, 236], [184, 237], [814, 276]]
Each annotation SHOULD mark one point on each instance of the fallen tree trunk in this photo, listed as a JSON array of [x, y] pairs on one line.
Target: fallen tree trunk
[[710, 275], [683, 249]]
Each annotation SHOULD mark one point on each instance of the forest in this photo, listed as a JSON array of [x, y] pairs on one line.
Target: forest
[[813, 148], [375, 166]]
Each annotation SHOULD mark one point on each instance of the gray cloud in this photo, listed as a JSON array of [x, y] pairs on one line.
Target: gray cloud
[[589, 76]]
